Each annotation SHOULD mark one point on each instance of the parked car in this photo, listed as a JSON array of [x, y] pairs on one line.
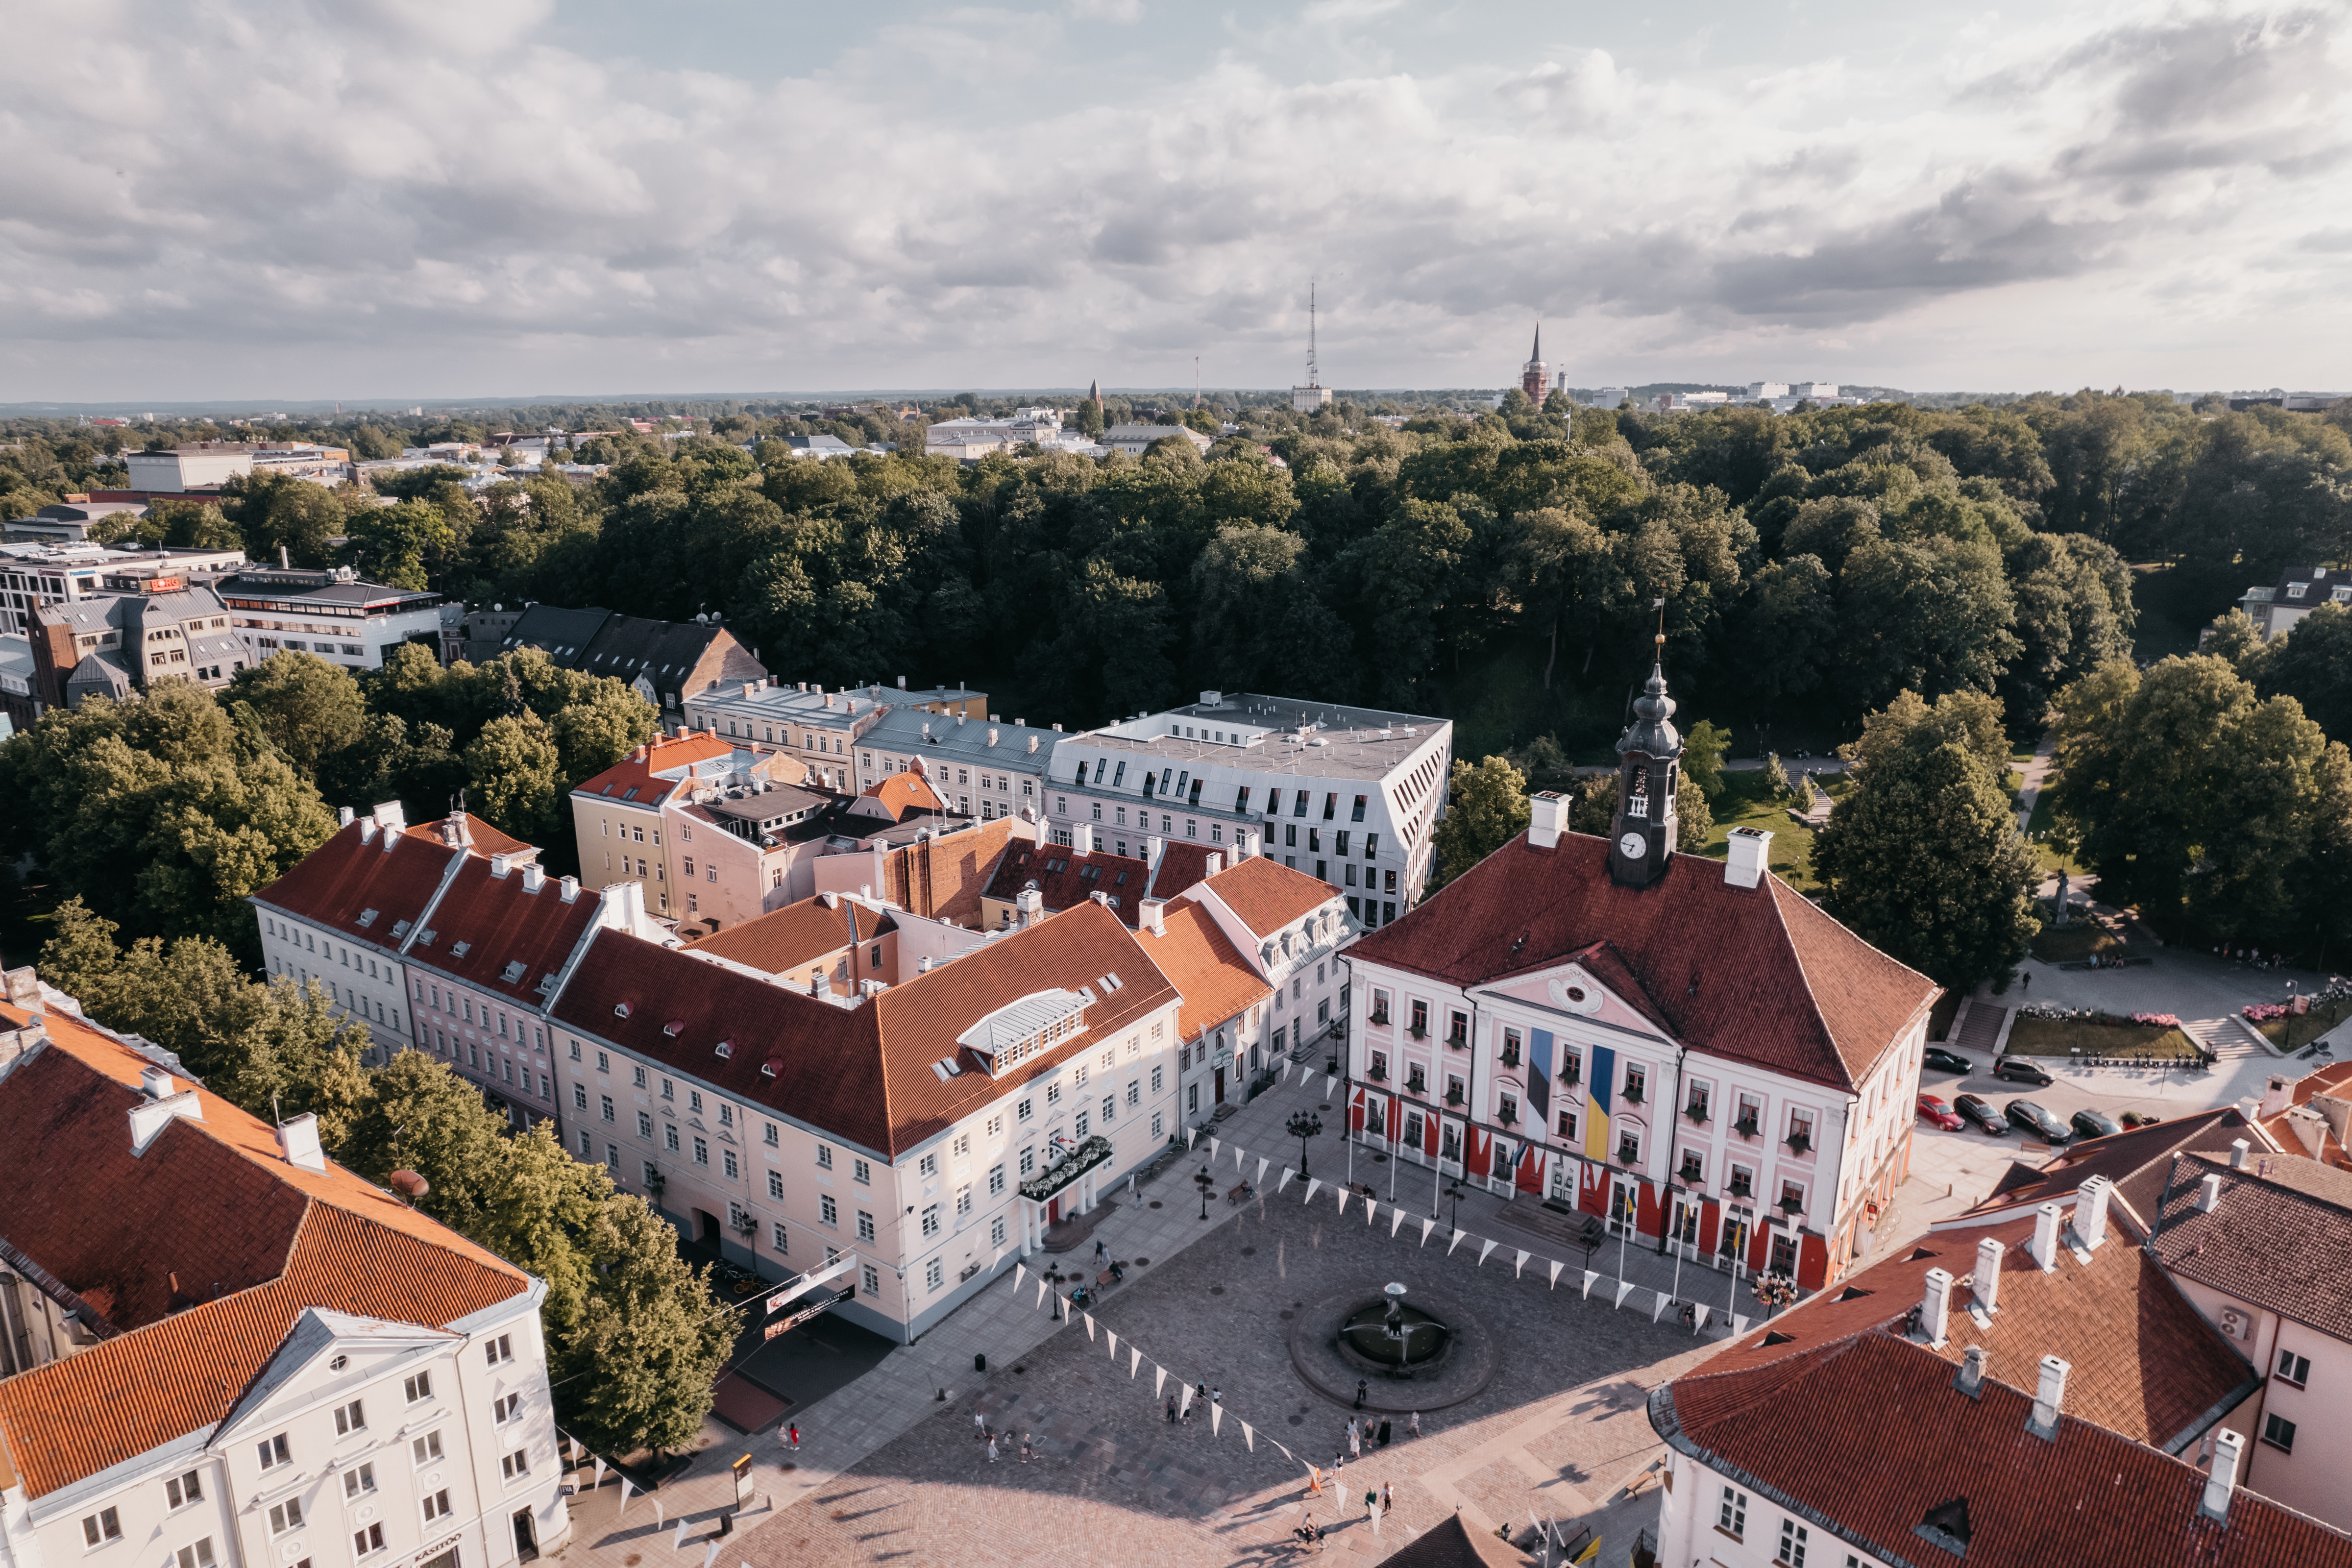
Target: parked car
[[1935, 1110], [2028, 1117], [2019, 1069], [2090, 1123], [1979, 1109], [2139, 1118], [1942, 1061]]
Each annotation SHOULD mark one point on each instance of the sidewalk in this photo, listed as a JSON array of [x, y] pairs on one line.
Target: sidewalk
[[904, 1389]]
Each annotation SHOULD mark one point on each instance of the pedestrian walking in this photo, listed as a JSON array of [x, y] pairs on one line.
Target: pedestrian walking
[[793, 1435], [1314, 1483], [1371, 1501], [1361, 1389], [1024, 1448], [1387, 1497], [1101, 1252], [992, 1450], [1385, 1431], [1338, 1461], [1414, 1426], [1216, 1396], [978, 1425], [1172, 1411], [2025, 981], [1355, 1445]]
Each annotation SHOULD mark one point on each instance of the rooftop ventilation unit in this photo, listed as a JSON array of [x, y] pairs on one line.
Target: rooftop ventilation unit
[[724, 1049], [512, 972], [620, 1009]]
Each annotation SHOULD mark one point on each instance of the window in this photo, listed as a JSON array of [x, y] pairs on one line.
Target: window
[[1731, 1514], [995, 1180], [512, 1467], [1082, 1124], [864, 1225], [669, 1139], [500, 1348], [701, 1152], [934, 1273], [506, 1407], [367, 1540], [1792, 1544], [274, 1452], [825, 1156], [859, 1171], [963, 1203], [644, 1126], [419, 1386], [827, 1210], [1637, 1082], [1156, 1079], [436, 1506], [1029, 1162], [783, 1238], [2294, 1368], [775, 1184], [769, 1137], [669, 1089], [358, 1479], [425, 1450], [350, 1418], [1022, 1109], [102, 1527], [693, 1100], [931, 1220], [286, 1516], [182, 1490], [2279, 1433], [928, 1165], [199, 1555]]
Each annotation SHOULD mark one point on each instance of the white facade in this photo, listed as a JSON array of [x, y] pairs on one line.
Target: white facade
[[203, 466], [1706, 1516], [985, 771]]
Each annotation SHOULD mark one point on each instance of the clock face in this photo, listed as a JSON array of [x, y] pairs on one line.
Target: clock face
[[1631, 845]]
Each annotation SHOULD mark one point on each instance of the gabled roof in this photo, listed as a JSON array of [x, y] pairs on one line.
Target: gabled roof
[[1266, 897], [665, 652], [337, 884], [1215, 980], [902, 793], [863, 1073], [2281, 1237], [796, 936], [1066, 878], [501, 923], [562, 635], [1867, 1435], [657, 770], [1757, 973], [254, 1240], [2333, 1081], [2145, 1363], [2138, 1161], [479, 836]]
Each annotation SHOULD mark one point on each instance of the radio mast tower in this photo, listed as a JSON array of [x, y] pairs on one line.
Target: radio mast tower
[[1314, 394]]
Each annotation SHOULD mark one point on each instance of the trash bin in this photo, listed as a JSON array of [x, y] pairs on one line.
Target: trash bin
[[727, 1523], [979, 1362]]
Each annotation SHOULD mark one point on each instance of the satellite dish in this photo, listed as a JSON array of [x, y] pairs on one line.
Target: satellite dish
[[410, 1184]]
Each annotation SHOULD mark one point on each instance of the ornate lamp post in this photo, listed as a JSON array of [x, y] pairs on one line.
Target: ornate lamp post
[[1205, 1182], [1305, 1124]]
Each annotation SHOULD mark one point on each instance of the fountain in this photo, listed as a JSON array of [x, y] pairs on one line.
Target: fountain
[[1397, 1339]]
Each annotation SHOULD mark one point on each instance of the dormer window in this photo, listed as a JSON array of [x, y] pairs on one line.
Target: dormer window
[[511, 972], [367, 917], [1028, 1027], [2298, 590]]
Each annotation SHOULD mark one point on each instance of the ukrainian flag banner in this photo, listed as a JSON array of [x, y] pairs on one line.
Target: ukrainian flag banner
[[1601, 1073]]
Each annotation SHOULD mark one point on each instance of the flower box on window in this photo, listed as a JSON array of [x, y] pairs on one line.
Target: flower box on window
[[1511, 1056], [1573, 1071], [1418, 1031], [1377, 1073], [1416, 1084], [1742, 1187], [1791, 1203], [1627, 1154], [1453, 1095], [1692, 1172], [1697, 1111], [1506, 1116], [1745, 1126], [1800, 1142], [1633, 1094]]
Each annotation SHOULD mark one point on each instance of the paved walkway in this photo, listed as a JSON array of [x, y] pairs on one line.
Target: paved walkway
[[2035, 772]]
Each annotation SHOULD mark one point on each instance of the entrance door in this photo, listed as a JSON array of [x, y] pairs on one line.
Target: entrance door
[[1685, 1231], [1623, 1209], [1220, 1085], [1738, 1222], [526, 1540], [706, 1229], [1784, 1253]]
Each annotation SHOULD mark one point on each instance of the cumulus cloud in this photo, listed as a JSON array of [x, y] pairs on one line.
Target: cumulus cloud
[[362, 199]]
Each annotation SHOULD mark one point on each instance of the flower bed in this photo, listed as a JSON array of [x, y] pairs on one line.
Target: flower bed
[[2290, 1028]]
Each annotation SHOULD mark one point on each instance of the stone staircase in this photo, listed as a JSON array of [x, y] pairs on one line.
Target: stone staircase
[[1981, 1029], [2226, 1039]]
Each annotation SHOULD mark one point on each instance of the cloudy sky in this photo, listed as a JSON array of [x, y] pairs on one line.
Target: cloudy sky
[[413, 198]]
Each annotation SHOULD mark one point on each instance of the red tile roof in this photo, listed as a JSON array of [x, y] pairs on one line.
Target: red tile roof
[[641, 770], [1266, 897], [1215, 980], [254, 1240], [795, 936], [2281, 1237], [1867, 1435], [903, 792], [2137, 1162], [2335, 1082], [501, 923], [341, 880], [863, 1073], [484, 838], [1753, 973], [941, 877], [1121, 879], [2145, 1363]]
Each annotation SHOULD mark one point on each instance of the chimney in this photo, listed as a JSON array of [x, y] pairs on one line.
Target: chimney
[[2208, 1194], [2278, 1095], [1546, 815], [1028, 905], [1032, 745], [299, 1140], [991, 737], [923, 964], [1986, 1280], [343, 815], [534, 876], [1747, 854], [367, 828], [392, 816], [2048, 1398], [2044, 1245], [1972, 1372], [570, 888], [284, 564], [2091, 1212], [2238, 1151], [1155, 916], [502, 863], [390, 838], [2223, 1479], [1153, 850], [156, 1083], [1936, 1307], [902, 683], [150, 1117], [1216, 863]]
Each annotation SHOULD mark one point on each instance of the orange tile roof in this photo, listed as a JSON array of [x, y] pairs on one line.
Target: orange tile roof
[[1265, 896], [501, 923], [941, 877], [2334, 1080], [485, 839], [641, 770], [795, 936], [254, 1240], [1204, 966], [904, 792]]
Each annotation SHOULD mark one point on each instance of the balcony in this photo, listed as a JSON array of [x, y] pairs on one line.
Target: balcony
[[1096, 1151]]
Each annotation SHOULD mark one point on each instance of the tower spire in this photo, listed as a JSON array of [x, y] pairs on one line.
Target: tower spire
[[1649, 759]]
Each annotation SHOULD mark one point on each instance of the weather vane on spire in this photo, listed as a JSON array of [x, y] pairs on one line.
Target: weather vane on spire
[[1659, 642]]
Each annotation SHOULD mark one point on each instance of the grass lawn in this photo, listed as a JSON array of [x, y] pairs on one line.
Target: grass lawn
[[1744, 803], [2072, 943], [2033, 1036], [2042, 820], [2293, 1034]]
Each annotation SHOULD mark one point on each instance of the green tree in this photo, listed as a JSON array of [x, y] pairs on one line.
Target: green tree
[[637, 1370], [1969, 720], [422, 1117], [394, 543], [307, 708], [1923, 859], [540, 1214], [1702, 753], [2312, 664], [1694, 819], [2073, 611], [1486, 807], [514, 775]]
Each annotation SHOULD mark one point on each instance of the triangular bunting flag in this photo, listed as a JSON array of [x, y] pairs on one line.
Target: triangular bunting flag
[[1249, 1436], [1286, 1174], [658, 1521], [1185, 1406], [624, 1500], [1020, 1275], [1263, 1162], [1217, 1417], [1591, 1275], [1659, 1310], [1134, 1365], [1450, 1246], [1738, 1325], [1239, 1154], [1555, 1274], [1286, 1451], [1702, 1319], [1090, 1317], [995, 1260], [1396, 1219], [1110, 1343], [1190, 1133], [1213, 1149], [1314, 1185], [1426, 1227], [1342, 1194], [600, 1477], [1370, 1209], [1040, 1297], [710, 1555], [1624, 1287], [1520, 1265], [1331, 1083], [677, 1537], [1159, 1378], [1488, 1247]]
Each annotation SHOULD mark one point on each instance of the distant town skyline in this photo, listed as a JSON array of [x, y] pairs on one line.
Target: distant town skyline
[[278, 202]]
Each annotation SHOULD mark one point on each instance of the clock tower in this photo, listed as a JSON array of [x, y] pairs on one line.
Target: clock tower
[[1649, 759]]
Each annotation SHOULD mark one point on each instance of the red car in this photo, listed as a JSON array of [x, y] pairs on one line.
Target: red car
[[1933, 1109]]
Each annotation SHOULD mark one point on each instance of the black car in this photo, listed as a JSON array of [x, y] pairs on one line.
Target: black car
[[2095, 1124], [2017, 1070], [2028, 1117], [1979, 1109], [1942, 1061]]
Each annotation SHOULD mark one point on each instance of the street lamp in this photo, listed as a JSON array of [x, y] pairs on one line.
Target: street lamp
[[1454, 1192], [1305, 1124], [1205, 1182]]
